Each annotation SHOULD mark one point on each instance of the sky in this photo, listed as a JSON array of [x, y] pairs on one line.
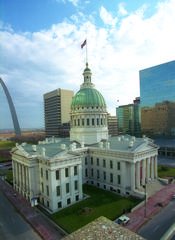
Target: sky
[[41, 50]]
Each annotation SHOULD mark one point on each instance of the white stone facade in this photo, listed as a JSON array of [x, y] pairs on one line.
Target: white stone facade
[[55, 181], [118, 165]]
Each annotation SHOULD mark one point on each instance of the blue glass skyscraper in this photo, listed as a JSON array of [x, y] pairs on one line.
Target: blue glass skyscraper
[[157, 98]]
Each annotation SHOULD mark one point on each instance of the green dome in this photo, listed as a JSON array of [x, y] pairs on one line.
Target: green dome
[[88, 97]]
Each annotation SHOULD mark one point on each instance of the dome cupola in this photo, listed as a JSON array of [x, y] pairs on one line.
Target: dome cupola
[[88, 113]]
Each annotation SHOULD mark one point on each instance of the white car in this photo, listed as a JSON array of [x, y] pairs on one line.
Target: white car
[[123, 219]]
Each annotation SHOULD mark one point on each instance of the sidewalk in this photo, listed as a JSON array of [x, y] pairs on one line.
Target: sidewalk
[[41, 225], [163, 196]]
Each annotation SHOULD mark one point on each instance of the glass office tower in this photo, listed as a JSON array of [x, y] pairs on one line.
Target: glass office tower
[[157, 97], [129, 118]]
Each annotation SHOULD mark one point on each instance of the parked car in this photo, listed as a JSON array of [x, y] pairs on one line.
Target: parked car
[[123, 220], [173, 197]]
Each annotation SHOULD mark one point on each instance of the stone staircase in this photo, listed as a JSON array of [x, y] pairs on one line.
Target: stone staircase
[[152, 187]]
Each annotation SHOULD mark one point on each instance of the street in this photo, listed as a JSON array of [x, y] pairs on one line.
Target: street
[[159, 224], [12, 225]]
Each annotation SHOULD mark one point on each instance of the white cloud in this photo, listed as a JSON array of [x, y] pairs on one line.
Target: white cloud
[[107, 17], [74, 2], [35, 63], [122, 11]]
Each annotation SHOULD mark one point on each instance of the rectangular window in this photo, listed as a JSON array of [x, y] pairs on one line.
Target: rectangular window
[[76, 185], [46, 174], [97, 161], [111, 164], [104, 175], [101, 121], [118, 166], [67, 187], [47, 187], [118, 178], [111, 177], [59, 204], [87, 121], [57, 174], [86, 172], [86, 162], [66, 172], [75, 170], [68, 201], [91, 160], [98, 174], [83, 122], [104, 163], [78, 122], [41, 172], [75, 122], [93, 122], [77, 198], [58, 190], [97, 121]]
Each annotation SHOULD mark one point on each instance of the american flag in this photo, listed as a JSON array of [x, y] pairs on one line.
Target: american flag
[[83, 44]]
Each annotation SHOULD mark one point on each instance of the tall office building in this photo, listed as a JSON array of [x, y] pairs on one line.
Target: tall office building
[[157, 93], [129, 118], [57, 110], [113, 128]]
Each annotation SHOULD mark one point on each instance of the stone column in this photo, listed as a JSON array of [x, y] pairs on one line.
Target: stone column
[[20, 178], [155, 167], [80, 181], [63, 187], [143, 171], [138, 175], [133, 176], [152, 168], [14, 172], [123, 176], [27, 179], [147, 169]]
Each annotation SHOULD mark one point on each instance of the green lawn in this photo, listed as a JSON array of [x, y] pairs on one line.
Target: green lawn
[[7, 144], [9, 174], [102, 203], [164, 171]]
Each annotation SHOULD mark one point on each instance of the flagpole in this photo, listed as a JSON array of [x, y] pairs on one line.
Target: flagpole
[[86, 52]]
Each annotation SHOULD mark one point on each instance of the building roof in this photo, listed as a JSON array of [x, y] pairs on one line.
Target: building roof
[[52, 146], [126, 143], [55, 146], [88, 97], [103, 228]]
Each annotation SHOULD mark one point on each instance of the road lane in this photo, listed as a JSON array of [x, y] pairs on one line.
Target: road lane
[[12, 225], [160, 223]]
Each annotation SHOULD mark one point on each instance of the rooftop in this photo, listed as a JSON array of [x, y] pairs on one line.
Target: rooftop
[[103, 228], [54, 146]]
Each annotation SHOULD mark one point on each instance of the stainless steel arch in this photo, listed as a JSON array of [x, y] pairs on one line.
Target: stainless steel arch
[[12, 109]]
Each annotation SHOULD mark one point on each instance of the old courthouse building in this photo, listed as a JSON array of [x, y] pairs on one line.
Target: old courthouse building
[[55, 169]]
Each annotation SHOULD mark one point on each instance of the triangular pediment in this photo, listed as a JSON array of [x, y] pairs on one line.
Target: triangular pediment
[[19, 151], [146, 147]]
